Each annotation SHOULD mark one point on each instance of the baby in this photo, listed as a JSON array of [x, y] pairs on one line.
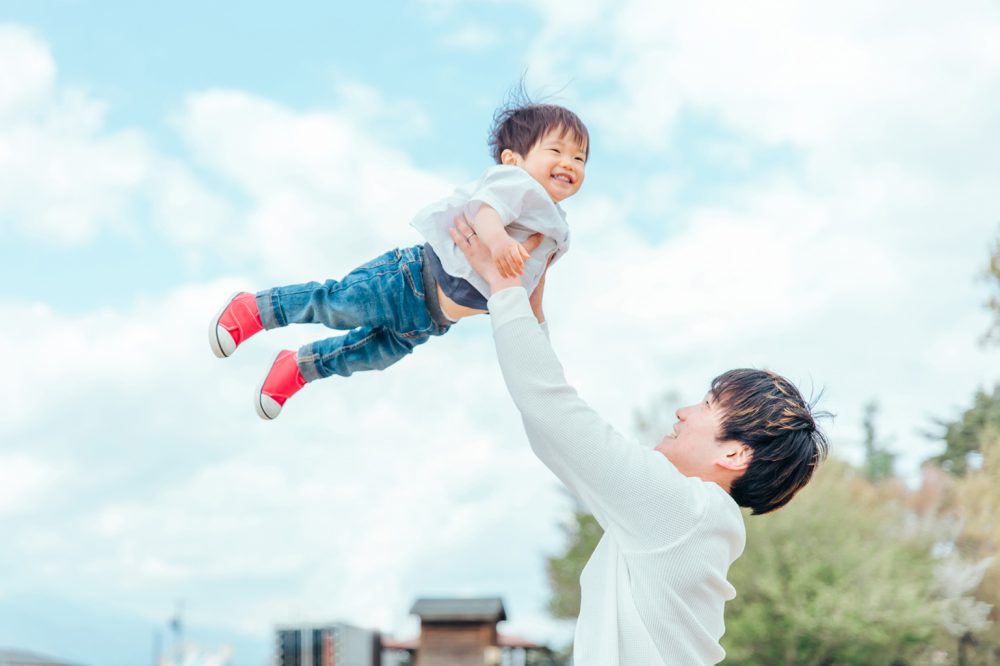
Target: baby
[[399, 300]]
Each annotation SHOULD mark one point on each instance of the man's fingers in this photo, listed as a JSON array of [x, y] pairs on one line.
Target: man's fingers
[[458, 239]]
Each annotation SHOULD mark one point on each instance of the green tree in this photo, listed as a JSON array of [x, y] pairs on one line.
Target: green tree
[[978, 507], [835, 577], [962, 437], [582, 534]]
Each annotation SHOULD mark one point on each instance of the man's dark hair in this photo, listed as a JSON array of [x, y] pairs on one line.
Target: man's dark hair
[[520, 124], [767, 413]]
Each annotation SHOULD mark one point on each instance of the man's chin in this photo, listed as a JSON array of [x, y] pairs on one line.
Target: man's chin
[[665, 445]]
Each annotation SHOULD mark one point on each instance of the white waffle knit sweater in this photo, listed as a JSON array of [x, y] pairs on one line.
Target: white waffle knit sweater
[[655, 588]]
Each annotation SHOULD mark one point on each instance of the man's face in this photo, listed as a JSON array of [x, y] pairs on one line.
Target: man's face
[[693, 446], [557, 161]]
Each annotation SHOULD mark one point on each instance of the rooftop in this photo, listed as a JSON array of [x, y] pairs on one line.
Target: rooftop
[[459, 610]]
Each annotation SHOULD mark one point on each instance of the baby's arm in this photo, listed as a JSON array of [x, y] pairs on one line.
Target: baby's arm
[[508, 254]]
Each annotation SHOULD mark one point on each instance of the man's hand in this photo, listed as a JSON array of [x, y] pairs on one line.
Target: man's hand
[[480, 258]]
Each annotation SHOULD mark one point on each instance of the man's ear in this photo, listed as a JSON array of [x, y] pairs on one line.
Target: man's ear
[[509, 157], [736, 457]]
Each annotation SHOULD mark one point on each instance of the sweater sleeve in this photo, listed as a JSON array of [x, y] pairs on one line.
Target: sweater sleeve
[[633, 492]]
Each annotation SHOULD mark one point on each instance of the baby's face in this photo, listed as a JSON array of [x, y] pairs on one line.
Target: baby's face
[[557, 162]]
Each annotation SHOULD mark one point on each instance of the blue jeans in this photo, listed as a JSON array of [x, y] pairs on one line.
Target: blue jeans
[[382, 305]]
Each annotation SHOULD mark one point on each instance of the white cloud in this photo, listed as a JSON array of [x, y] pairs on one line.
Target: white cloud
[[471, 37], [23, 479], [184, 489], [61, 177], [65, 177], [853, 76], [387, 119], [191, 216], [28, 71], [325, 196]]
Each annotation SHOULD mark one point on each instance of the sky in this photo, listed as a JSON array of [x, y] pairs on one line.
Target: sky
[[808, 189]]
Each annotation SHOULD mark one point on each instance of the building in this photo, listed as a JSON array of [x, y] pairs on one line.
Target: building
[[453, 632], [335, 644], [458, 632], [463, 632]]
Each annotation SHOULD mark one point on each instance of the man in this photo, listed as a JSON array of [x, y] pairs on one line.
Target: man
[[654, 591]]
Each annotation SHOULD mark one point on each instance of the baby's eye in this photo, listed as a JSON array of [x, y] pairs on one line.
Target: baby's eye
[[579, 159]]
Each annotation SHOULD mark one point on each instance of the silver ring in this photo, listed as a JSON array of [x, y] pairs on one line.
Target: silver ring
[[470, 236]]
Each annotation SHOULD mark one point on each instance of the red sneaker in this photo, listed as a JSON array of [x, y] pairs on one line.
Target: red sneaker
[[283, 381], [237, 320]]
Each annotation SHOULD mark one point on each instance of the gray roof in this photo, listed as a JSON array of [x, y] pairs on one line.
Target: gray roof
[[459, 610], [9, 657]]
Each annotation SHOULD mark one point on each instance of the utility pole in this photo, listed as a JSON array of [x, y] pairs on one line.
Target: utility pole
[[157, 648], [177, 626]]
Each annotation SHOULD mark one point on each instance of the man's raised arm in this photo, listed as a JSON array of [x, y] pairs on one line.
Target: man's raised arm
[[631, 490]]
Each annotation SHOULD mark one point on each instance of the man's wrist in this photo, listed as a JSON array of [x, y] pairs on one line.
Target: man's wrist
[[500, 283]]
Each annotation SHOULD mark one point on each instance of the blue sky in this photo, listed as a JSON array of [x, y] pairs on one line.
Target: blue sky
[[808, 190]]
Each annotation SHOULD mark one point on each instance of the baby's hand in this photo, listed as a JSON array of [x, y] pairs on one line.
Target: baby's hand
[[509, 256]]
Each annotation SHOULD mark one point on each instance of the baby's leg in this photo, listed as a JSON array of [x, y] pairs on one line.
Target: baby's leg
[[366, 296], [362, 349], [382, 302]]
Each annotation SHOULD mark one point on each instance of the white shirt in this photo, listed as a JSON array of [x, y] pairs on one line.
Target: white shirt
[[654, 591], [524, 208]]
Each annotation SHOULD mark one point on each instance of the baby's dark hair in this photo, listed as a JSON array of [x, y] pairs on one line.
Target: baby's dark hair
[[520, 123]]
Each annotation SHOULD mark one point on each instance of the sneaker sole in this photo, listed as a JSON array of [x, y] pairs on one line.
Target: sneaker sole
[[258, 402], [213, 330]]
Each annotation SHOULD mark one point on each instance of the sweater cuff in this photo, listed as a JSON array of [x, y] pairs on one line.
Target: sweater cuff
[[509, 304]]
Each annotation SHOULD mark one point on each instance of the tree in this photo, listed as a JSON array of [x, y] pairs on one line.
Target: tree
[[878, 459], [836, 577], [978, 507], [963, 436], [582, 534], [993, 277]]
